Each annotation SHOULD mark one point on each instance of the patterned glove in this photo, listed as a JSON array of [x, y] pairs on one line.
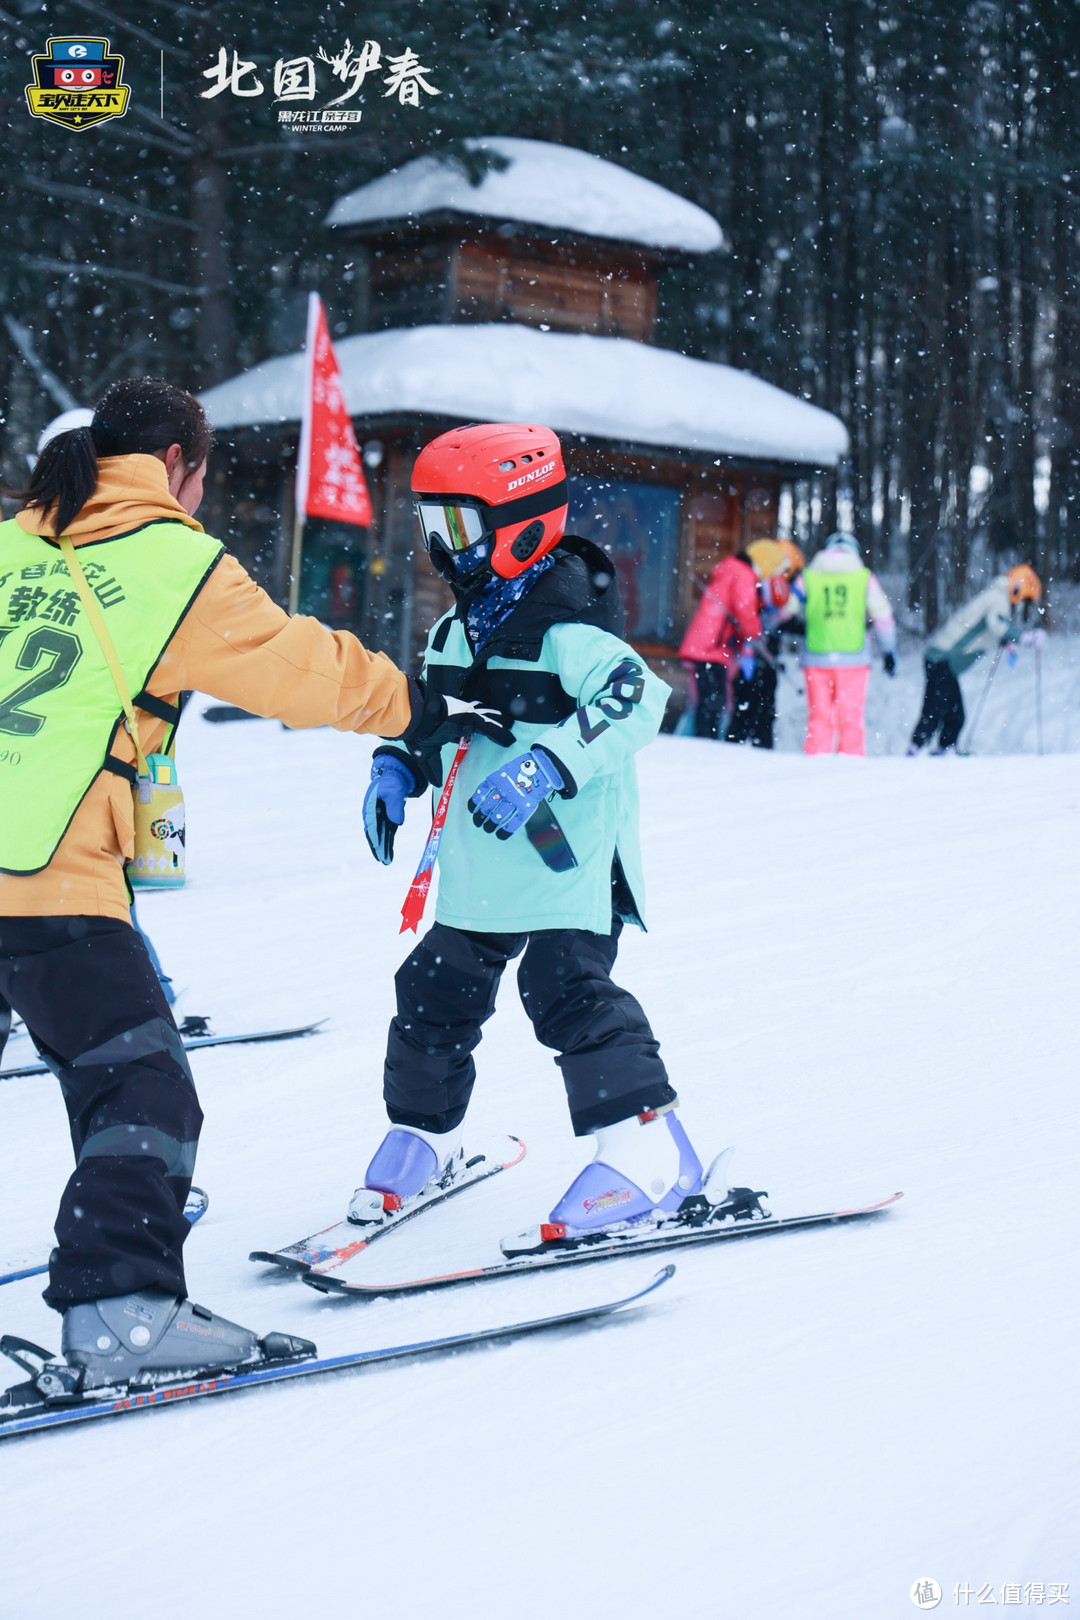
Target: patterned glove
[[392, 782], [504, 801]]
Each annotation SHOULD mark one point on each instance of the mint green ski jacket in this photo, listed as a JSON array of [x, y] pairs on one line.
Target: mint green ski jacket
[[591, 701]]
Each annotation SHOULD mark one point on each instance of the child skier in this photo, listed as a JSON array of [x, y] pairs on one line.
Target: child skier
[[537, 632], [989, 622]]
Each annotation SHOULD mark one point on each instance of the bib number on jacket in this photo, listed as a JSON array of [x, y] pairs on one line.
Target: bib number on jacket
[[63, 651], [836, 611]]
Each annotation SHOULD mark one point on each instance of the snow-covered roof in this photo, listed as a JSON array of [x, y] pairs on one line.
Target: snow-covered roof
[[606, 388], [558, 187]]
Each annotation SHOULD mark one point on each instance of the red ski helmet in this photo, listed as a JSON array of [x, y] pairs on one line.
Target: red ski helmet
[[499, 485]]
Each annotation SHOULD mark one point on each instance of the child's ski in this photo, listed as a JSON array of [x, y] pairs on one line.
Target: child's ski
[[197, 1204], [195, 1043], [336, 1244], [21, 1418], [669, 1237]]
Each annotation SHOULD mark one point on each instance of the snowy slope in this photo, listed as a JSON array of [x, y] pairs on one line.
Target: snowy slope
[[863, 973], [1008, 723]]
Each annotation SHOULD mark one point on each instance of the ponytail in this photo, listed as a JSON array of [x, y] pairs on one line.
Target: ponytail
[[64, 476], [135, 416]]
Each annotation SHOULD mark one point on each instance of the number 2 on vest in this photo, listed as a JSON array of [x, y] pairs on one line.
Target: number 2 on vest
[[46, 641]]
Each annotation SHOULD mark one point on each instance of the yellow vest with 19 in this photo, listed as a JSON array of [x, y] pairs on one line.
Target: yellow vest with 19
[[836, 610]]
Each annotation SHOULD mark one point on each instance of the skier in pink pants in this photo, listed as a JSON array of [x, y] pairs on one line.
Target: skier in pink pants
[[842, 596]]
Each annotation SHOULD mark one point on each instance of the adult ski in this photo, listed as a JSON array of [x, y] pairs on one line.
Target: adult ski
[[604, 1249], [23, 1419], [197, 1204], [336, 1244], [195, 1043]]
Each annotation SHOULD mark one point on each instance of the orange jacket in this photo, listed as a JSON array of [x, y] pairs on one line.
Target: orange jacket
[[234, 643]]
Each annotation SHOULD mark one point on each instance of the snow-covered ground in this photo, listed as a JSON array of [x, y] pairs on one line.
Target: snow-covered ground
[[864, 974], [1008, 723]]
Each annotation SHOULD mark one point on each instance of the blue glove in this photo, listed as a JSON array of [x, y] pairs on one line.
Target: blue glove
[[392, 781], [747, 664], [504, 801]]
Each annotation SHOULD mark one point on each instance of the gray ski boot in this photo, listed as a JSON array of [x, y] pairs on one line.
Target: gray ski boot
[[151, 1336]]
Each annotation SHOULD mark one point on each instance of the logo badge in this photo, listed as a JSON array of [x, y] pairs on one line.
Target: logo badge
[[77, 83]]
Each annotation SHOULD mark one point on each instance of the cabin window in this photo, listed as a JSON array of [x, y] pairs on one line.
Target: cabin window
[[638, 525]]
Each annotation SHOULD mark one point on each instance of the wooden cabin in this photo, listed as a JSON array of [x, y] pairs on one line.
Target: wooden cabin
[[530, 295]]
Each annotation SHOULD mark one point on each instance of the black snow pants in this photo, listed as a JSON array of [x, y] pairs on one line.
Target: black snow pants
[[446, 989], [92, 1002], [943, 707], [711, 700], [753, 715]]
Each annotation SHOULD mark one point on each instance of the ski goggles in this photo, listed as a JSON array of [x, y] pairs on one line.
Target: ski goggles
[[455, 526]]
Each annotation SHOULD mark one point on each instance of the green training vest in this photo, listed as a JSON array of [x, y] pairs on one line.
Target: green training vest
[[59, 709], [836, 611]]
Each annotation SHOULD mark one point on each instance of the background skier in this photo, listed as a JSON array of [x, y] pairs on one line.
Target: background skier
[[538, 630], [181, 613], [987, 623], [753, 716], [842, 596], [725, 625]]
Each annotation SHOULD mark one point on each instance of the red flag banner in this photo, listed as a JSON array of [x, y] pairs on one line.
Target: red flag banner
[[330, 479]]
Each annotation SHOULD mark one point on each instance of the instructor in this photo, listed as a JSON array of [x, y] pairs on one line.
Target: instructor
[[181, 613]]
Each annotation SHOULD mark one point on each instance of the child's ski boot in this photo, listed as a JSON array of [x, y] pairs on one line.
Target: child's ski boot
[[408, 1163], [644, 1177]]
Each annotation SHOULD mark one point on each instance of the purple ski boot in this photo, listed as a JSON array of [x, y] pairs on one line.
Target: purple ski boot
[[643, 1175], [407, 1162]]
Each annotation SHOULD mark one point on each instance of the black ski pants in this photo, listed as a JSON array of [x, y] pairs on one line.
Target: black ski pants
[[753, 714], [88, 993], [942, 709], [446, 989], [709, 715]]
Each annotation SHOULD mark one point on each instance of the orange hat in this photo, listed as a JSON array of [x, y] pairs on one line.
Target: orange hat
[[794, 560], [767, 557], [1024, 584]]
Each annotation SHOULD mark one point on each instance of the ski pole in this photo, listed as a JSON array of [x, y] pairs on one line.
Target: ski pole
[[983, 697], [1038, 697]]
